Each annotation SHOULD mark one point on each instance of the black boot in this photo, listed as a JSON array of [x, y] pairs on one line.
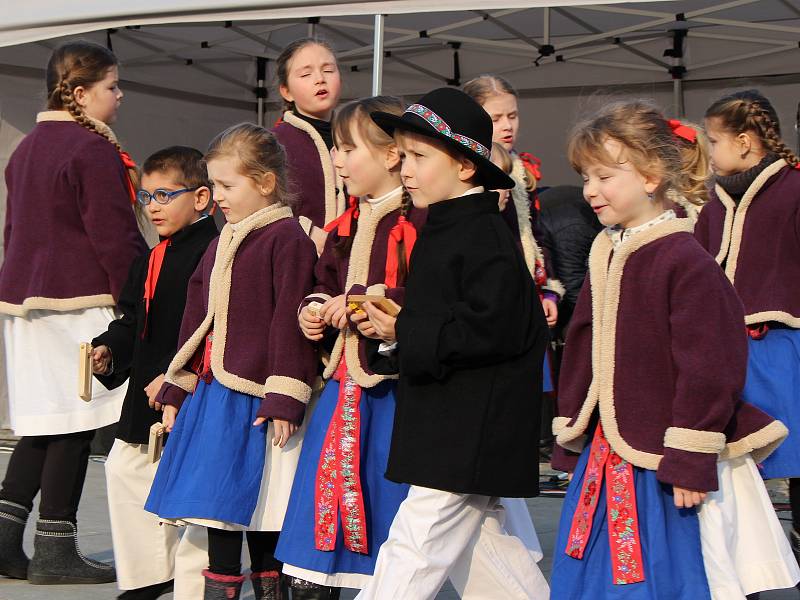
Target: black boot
[[57, 560], [222, 587], [305, 590], [150, 592], [13, 561], [267, 585]]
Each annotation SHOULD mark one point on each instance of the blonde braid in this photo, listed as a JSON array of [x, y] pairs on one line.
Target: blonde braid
[[766, 127]]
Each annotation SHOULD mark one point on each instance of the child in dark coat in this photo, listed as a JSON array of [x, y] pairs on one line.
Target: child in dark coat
[[470, 342], [138, 347]]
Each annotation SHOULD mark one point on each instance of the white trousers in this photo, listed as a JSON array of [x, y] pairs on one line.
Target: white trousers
[[436, 535], [145, 551]]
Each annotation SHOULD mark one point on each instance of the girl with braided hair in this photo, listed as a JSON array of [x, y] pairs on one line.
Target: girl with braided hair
[[366, 252], [70, 237], [752, 227]]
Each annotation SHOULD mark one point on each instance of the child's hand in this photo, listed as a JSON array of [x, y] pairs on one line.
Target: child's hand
[[169, 416], [382, 323], [687, 498], [283, 430], [550, 311], [101, 360], [312, 326], [334, 312], [152, 390], [365, 326]]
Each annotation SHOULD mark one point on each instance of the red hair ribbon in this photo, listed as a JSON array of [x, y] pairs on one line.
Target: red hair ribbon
[[405, 232], [532, 165], [683, 131], [129, 164], [344, 222]]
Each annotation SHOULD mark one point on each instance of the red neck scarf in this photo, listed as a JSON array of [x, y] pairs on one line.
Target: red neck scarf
[[150, 282], [344, 222]]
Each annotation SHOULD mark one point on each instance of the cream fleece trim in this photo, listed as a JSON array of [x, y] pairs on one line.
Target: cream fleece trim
[[555, 286], [559, 423], [288, 386], [332, 203], [606, 283], [56, 304], [760, 444], [692, 210], [218, 304], [306, 224], [773, 315], [739, 213], [357, 273], [519, 195], [694, 440], [66, 116]]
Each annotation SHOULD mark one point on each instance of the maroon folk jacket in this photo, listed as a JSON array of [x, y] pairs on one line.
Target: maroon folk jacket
[[247, 289], [657, 347], [311, 173], [362, 272], [758, 243], [70, 233]]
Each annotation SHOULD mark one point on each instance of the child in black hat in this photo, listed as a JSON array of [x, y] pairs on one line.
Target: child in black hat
[[470, 341]]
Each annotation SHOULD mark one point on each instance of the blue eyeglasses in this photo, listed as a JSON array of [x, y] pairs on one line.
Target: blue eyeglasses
[[144, 197]]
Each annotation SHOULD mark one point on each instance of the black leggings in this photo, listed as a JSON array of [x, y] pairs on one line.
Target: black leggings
[[54, 464], [225, 551]]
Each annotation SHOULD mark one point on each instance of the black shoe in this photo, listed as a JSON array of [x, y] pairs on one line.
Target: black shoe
[[222, 587], [150, 592], [57, 560], [305, 590], [13, 561], [267, 585]]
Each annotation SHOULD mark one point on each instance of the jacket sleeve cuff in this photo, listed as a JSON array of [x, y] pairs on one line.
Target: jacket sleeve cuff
[[696, 471], [563, 459], [278, 406], [694, 440], [555, 286], [171, 395]]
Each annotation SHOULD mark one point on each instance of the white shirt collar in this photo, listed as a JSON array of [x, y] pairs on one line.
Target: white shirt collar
[[619, 235], [386, 196]]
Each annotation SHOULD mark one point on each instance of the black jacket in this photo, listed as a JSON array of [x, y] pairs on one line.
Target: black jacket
[[567, 226], [471, 339], [140, 360]]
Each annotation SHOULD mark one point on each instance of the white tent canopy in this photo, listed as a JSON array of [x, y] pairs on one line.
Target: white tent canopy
[[205, 60]]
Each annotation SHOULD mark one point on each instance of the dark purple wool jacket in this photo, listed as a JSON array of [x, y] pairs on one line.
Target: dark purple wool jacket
[[247, 289], [311, 173], [70, 233], [657, 348], [362, 272], [758, 243]]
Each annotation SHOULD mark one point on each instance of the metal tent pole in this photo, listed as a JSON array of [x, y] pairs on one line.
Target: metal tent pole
[[377, 56], [261, 88]]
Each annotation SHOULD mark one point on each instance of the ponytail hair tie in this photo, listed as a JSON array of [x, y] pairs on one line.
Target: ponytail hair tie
[[683, 131]]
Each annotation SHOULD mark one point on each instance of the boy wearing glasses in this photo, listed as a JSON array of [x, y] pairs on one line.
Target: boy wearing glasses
[[138, 348]]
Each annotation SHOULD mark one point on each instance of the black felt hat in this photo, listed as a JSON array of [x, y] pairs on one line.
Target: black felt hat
[[456, 120]]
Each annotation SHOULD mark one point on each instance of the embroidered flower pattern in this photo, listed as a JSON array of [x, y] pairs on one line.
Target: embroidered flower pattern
[[338, 475], [623, 522], [442, 127]]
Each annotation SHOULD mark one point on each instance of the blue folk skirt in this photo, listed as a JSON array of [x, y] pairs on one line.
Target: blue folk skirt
[[671, 549], [213, 461], [773, 385], [382, 498]]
